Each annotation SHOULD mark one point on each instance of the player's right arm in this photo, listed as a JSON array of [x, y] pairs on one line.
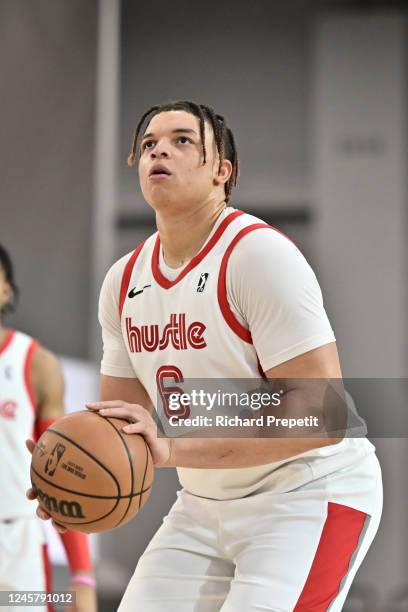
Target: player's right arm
[[128, 389], [119, 387], [118, 380]]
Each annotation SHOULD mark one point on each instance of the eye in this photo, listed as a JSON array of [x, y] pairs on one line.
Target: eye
[[183, 140], [148, 144]]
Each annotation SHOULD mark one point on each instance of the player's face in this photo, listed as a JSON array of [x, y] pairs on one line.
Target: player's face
[[171, 170], [5, 289]]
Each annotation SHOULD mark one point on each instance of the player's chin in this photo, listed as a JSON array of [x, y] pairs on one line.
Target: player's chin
[[161, 197]]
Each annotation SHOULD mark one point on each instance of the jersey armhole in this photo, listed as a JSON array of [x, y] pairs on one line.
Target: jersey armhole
[[127, 273], [229, 317], [236, 326]]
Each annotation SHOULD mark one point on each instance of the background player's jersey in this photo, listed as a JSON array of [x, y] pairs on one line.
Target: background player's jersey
[[17, 421], [247, 299]]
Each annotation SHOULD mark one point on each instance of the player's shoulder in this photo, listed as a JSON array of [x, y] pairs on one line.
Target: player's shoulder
[[264, 251], [113, 278], [259, 241], [114, 275], [115, 272]]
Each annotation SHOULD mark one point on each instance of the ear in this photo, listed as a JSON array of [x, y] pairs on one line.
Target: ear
[[223, 172]]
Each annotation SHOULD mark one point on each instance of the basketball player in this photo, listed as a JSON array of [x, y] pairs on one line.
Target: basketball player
[[279, 524], [31, 398]]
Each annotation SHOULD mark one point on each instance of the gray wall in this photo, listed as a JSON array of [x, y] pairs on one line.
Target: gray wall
[[250, 61], [47, 75], [361, 221], [361, 187]]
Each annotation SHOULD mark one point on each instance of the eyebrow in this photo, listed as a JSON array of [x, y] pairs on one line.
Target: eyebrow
[[176, 131]]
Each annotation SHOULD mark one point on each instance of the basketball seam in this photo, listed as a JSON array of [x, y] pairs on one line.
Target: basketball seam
[[132, 479], [144, 475], [95, 520], [89, 494]]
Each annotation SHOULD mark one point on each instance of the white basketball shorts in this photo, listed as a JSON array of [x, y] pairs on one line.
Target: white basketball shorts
[[296, 551]]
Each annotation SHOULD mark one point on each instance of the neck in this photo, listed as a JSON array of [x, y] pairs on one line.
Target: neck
[[183, 235]]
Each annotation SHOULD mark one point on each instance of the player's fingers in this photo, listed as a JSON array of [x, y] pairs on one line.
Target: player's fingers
[[91, 406], [131, 411], [30, 444], [134, 428], [42, 514], [107, 404], [31, 494]]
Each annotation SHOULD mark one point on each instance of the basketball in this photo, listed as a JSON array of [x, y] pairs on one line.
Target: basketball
[[88, 474]]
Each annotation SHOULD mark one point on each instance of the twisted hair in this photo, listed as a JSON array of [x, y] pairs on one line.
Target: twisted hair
[[7, 267], [223, 136]]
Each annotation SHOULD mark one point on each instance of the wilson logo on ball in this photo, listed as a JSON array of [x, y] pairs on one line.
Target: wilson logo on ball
[[54, 459], [71, 509]]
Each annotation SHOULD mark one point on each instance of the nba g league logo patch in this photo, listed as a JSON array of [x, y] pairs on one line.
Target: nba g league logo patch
[[202, 282]]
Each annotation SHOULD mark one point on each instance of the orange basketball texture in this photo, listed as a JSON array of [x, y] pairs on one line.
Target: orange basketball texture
[[89, 475]]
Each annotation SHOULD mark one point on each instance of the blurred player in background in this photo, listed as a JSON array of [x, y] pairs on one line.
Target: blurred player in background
[[31, 399], [279, 524]]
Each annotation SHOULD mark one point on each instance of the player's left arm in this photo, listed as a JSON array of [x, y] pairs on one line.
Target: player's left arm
[[48, 385], [301, 398]]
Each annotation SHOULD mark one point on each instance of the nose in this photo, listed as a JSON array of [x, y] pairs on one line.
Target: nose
[[160, 151]]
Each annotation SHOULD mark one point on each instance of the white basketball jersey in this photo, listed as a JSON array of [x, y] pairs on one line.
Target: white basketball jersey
[[17, 422], [186, 328]]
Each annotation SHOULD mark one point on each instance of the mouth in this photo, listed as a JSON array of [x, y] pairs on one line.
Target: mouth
[[159, 172]]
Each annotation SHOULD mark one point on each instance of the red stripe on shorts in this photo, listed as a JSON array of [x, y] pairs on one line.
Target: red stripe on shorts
[[338, 542]]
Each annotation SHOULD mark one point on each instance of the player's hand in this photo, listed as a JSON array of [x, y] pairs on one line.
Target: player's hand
[[141, 422], [85, 596], [32, 495]]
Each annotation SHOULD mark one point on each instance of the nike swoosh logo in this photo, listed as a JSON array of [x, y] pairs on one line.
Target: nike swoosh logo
[[132, 293]]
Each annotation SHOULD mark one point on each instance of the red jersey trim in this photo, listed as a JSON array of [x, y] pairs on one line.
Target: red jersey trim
[[227, 313], [9, 337], [165, 282], [27, 374], [338, 542], [127, 273]]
